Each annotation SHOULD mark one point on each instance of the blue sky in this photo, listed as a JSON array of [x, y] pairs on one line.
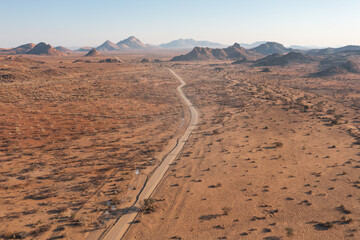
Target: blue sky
[[91, 22]]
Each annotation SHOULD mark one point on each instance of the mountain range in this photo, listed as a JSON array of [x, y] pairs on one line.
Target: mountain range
[[348, 67], [134, 43], [38, 49], [208, 48], [252, 45], [128, 43], [190, 43], [233, 52], [44, 49], [241, 54], [278, 59], [325, 51], [20, 49]]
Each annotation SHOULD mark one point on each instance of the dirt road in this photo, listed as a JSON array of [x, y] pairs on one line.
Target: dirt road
[[118, 230]]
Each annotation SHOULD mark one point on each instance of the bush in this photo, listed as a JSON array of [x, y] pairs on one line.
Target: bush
[[289, 231], [13, 235], [40, 230], [148, 206], [226, 210]]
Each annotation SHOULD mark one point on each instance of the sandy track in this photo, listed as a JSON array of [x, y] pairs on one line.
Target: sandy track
[[118, 230]]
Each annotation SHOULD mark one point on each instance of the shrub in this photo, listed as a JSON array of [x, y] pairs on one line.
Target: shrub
[[289, 231], [325, 225], [226, 210], [148, 206], [13, 235], [40, 230]]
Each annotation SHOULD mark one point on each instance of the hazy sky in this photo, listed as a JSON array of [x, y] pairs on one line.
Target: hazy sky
[[91, 22]]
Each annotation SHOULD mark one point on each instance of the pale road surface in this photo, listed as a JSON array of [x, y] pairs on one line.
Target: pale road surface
[[118, 230]]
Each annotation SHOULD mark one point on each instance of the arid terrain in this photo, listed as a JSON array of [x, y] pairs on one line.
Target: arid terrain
[[275, 153], [275, 156], [73, 133]]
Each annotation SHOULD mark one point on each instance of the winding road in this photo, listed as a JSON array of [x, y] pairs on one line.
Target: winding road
[[118, 230]]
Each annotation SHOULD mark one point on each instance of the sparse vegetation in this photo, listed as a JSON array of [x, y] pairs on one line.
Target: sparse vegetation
[[71, 129], [342, 209], [40, 230], [115, 200], [324, 225], [215, 186], [71, 147], [226, 210], [219, 226], [346, 220], [289, 231], [149, 206]]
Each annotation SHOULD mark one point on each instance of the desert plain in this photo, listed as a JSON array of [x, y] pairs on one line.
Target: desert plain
[[274, 155]]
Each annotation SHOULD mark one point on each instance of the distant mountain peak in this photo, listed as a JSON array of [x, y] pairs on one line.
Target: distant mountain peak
[[84, 49], [63, 49], [236, 45], [131, 43], [327, 51], [269, 48], [190, 43], [252, 45], [44, 49], [93, 53], [23, 48], [107, 46]]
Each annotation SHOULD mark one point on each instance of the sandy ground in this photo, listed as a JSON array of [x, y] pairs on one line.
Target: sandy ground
[[73, 135], [259, 166], [274, 156], [118, 230]]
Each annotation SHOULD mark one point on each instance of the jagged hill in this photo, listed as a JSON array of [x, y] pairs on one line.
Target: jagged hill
[[237, 52], [233, 52], [108, 46], [331, 71], [198, 54], [44, 49], [271, 48], [63, 49], [19, 50], [277, 59], [131, 43], [348, 67], [93, 53], [24, 48], [351, 66]]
